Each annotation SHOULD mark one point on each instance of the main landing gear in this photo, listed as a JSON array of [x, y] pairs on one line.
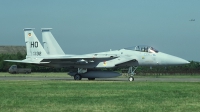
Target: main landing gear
[[77, 77], [131, 72]]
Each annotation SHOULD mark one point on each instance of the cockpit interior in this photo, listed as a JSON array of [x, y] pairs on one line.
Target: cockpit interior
[[143, 48]]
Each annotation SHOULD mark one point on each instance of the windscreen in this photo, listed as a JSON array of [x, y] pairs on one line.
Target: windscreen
[[143, 48]]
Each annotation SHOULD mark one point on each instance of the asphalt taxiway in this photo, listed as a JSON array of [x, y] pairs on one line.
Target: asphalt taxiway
[[137, 79]]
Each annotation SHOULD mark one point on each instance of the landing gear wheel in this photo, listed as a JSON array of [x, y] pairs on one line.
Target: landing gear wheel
[[91, 78], [77, 77], [131, 78]]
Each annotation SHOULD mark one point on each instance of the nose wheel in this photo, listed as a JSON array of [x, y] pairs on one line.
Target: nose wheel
[[131, 78], [131, 72]]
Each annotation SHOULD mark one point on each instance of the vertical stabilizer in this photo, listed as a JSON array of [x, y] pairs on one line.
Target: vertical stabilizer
[[51, 46], [33, 46]]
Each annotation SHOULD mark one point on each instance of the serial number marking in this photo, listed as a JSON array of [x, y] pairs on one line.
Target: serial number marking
[[37, 53]]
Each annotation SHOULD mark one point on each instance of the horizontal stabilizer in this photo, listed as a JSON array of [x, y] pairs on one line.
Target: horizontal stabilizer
[[26, 61]]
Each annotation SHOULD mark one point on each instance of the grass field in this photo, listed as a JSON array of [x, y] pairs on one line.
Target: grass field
[[122, 96]]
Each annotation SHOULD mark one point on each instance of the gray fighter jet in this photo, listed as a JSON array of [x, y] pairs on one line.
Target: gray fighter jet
[[89, 65]]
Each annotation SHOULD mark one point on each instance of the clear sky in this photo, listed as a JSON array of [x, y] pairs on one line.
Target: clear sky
[[87, 26]]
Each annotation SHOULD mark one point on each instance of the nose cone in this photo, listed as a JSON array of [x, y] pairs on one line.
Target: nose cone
[[167, 59], [177, 61]]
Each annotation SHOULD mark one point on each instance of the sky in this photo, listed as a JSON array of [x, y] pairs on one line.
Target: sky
[[88, 26]]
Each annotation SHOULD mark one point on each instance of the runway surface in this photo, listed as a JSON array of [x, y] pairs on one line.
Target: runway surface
[[143, 79]]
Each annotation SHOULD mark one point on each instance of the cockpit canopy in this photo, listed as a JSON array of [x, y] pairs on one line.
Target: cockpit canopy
[[143, 48]]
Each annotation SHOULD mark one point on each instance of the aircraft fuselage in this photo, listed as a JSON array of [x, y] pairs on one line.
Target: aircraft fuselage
[[124, 58]]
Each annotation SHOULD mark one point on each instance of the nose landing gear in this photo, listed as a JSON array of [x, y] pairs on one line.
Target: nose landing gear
[[131, 78], [131, 72]]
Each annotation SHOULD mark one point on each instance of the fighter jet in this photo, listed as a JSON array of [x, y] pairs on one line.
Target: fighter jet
[[89, 65]]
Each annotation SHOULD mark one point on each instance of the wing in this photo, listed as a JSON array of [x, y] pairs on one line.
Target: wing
[[66, 59], [26, 61], [79, 58]]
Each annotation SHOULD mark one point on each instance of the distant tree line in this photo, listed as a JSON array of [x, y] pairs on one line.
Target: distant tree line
[[192, 68], [188, 69]]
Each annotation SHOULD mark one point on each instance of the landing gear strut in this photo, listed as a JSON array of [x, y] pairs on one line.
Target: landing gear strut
[[78, 76], [131, 72]]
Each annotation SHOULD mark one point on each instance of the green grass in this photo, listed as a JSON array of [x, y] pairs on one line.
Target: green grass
[[45, 96]]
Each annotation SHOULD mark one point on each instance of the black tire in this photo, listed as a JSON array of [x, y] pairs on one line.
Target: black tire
[[91, 78], [77, 77]]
